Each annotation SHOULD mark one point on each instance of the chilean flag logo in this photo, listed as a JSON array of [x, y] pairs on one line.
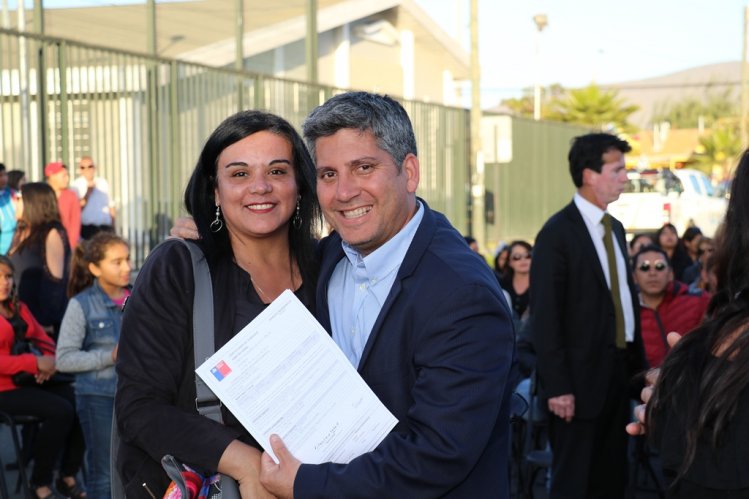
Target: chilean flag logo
[[221, 370]]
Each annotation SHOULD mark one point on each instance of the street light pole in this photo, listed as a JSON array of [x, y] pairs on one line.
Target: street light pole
[[477, 159], [310, 44], [744, 83], [541, 21]]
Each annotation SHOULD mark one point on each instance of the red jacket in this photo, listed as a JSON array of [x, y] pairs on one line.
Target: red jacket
[[680, 311], [12, 364], [70, 215]]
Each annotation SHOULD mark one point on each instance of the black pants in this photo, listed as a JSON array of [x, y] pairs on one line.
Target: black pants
[[59, 433], [89, 231], [589, 456]]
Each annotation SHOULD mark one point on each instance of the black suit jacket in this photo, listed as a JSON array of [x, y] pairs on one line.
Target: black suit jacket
[[438, 358], [572, 313]]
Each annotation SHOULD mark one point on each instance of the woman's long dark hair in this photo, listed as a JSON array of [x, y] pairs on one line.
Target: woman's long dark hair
[[200, 199], [704, 374], [40, 214], [679, 250], [11, 303]]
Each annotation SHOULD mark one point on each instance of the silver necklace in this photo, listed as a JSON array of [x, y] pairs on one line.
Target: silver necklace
[[261, 293]]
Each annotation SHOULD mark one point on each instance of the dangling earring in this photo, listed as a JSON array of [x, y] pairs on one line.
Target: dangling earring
[[296, 222], [217, 224]]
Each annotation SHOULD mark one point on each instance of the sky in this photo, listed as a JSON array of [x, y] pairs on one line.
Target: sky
[[586, 41], [602, 41]]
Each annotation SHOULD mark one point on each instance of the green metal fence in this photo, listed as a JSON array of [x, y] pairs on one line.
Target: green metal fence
[[534, 184], [144, 120]]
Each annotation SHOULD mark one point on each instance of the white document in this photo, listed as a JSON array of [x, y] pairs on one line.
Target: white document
[[284, 374]]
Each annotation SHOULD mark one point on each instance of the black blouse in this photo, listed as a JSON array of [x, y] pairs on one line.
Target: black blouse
[[519, 301], [155, 401], [44, 294], [721, 472]]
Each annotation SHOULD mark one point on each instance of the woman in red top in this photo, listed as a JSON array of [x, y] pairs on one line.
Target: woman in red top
[[59, 432]]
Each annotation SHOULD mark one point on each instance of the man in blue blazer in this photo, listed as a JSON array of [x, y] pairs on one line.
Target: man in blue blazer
[[415, 310]]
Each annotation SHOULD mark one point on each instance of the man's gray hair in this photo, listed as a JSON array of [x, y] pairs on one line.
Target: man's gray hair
[[381, 115]]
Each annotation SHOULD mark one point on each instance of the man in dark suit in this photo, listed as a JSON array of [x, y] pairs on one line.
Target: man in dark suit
[[415, 310], [584, 313]]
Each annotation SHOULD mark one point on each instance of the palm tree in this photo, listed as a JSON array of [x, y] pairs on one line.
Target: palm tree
[[719, 149], [594, 107]]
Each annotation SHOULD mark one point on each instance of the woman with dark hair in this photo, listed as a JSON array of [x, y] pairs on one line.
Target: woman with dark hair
[[16, 179], [516, 279], [500, 263], [252, 197], [639, 241], [54, 403], [699, 412], [41, 255], [690, 239], [668, 239]]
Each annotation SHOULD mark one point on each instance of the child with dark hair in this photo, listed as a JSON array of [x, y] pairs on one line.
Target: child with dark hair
[[98, 286], [54, 403]]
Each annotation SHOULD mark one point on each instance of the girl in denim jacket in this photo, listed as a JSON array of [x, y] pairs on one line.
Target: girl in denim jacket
[[87, 346]]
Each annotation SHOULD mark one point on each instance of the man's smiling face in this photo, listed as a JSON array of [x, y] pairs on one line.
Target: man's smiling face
[[363, 195]]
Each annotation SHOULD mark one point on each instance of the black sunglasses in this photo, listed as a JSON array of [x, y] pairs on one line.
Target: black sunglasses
[[659, 266], [518, 256]]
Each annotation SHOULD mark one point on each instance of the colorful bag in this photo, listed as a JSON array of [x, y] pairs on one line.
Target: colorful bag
[[187, 483]]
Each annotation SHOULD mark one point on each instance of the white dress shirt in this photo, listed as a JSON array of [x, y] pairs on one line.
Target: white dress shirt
[[592, 216]]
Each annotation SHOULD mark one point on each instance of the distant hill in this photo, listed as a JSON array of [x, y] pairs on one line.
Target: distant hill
[[695, 82]]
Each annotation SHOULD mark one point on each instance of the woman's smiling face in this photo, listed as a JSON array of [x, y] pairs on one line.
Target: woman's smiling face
[[256, 185]]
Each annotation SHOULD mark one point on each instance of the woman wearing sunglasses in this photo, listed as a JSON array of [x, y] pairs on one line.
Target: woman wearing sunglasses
[[666, 305], [516, 278]]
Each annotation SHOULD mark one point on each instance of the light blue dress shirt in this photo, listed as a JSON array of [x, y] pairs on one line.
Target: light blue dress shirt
[[359, 286]]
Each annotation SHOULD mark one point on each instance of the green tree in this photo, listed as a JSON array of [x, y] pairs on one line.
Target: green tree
[[719, 149], [523, 106], [594, 107], [687, 112]]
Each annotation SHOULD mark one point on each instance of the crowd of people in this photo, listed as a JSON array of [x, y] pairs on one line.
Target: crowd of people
[[60, 312], [442, 337]]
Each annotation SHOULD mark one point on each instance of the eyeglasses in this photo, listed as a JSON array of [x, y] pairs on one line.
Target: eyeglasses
[[86, 167], [518, 256], [658, 265]]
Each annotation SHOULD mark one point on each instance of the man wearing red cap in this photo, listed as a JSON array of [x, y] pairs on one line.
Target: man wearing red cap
[[67, 200]]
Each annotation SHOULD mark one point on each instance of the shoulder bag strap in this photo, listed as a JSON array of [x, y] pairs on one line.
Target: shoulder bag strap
[[206, 402]]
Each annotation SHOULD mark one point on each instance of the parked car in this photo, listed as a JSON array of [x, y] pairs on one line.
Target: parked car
[[683, 197]]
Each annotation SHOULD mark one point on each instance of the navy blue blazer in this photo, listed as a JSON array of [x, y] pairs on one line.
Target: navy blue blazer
[[439, 358]]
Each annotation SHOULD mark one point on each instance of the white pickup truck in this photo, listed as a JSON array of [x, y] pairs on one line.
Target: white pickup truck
[[682, 197]]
